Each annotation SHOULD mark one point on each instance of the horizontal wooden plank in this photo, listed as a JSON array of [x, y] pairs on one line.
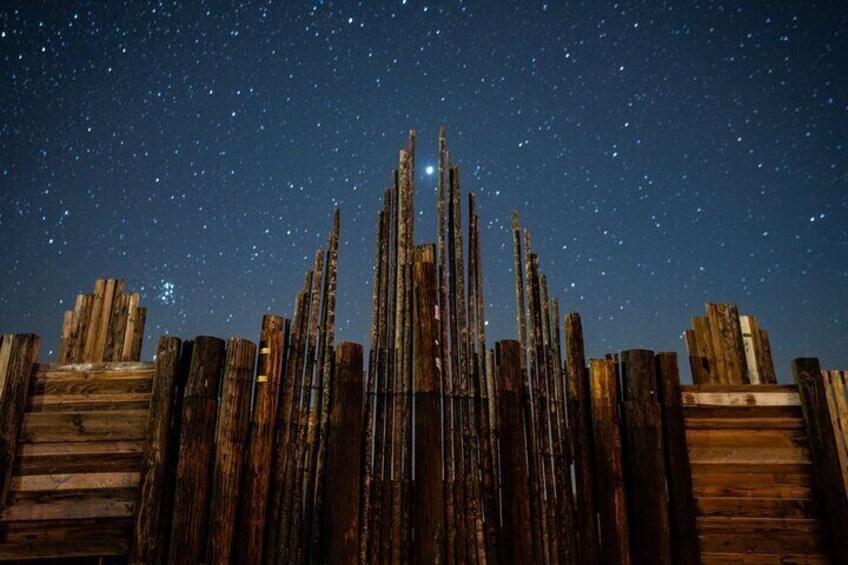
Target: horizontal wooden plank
[[82, 457], [748, 455], [121, 384], [744, 424], [74, 481], [750, 535], [763, 559], [739, 388], [88, 402], [747, 438], [41, 427], [70, 504], [707, 481], [743, 412], [61, 538], [739, 507], [116, 367], [724, 398]]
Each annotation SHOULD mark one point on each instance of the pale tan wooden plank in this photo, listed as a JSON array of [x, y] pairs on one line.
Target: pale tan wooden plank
[[74, 481]]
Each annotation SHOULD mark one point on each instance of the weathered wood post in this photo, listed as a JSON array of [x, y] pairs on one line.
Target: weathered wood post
[[197, 438], [149, 537], [823, 451], [682, 511], [644, 459], [18, 353], [516, 542], [230, 443], [428, 502], [340, 515], [609, 468], [273, 341], [580, 422]]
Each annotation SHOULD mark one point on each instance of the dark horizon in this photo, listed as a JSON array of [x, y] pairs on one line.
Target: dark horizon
[[662, 157]]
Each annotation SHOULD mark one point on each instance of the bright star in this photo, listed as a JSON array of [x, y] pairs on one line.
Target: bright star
[[429, 170]]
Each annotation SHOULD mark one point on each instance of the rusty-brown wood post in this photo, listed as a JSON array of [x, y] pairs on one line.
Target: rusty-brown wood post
[[197, 439], [428, 502], [273, 340], [682, 511], [516, 542], [340, 516], [230, 443], [580, 423], [644, 460], [149, 538], [18, 354], [823, 451], [609, 468]]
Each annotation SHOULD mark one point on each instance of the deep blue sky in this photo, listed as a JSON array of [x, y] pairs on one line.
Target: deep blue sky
[[663, 155]]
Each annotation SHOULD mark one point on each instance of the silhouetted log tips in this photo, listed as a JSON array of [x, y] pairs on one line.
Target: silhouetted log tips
[[516, 542], [428, 495], [609, 469], [273, 340], [18, 353], [197, 438], [824, 453], [149, 538], [644, 459], [340, 516], [230, 443], [682, 510], [580, 422]]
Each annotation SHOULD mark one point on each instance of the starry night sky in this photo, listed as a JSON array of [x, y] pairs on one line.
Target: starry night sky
[[663, 154]]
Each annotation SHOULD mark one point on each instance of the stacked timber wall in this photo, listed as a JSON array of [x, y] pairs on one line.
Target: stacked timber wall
[[437, 449]]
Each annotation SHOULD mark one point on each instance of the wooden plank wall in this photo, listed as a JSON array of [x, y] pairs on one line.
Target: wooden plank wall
[[753, 476], [728, 349], [75, 479], [106, 326]]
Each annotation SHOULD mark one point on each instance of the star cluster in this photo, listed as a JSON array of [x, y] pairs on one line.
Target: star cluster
[[664, 154]]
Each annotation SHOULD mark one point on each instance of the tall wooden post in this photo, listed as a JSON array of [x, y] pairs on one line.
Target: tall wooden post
[[230, 443], [580, 423], [149, 537], [609, 468], [823, 451], [340, 516], [516, 543], [197, 439], [18, 353], [682, 511], [273, 341], [428, 502], [644, 460]]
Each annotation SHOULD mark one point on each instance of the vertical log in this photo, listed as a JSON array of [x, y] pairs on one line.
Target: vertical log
[[612, 502], [704, 341], [149, 538], [64, 339], [230, 443], [697, 361], [18, 354], [132, 326], [138, 334], [273, 341], [580, 421], [197, 438], [644, 460], [517, 540], [88, 351], [111, 289], [768, 375], [340, 518], [117, 330], [682, 510], [428, 502], [824, 454]]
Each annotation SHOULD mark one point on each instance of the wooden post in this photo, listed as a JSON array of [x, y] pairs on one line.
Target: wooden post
[[704, 343], [340, 517], [516, 542], [644, 460], [580, 422], [230, 443], [615, 535], [273, 341], [149, 538], [18, 353], [197, 438], [428, 502], [824, 453], [682, 511]]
